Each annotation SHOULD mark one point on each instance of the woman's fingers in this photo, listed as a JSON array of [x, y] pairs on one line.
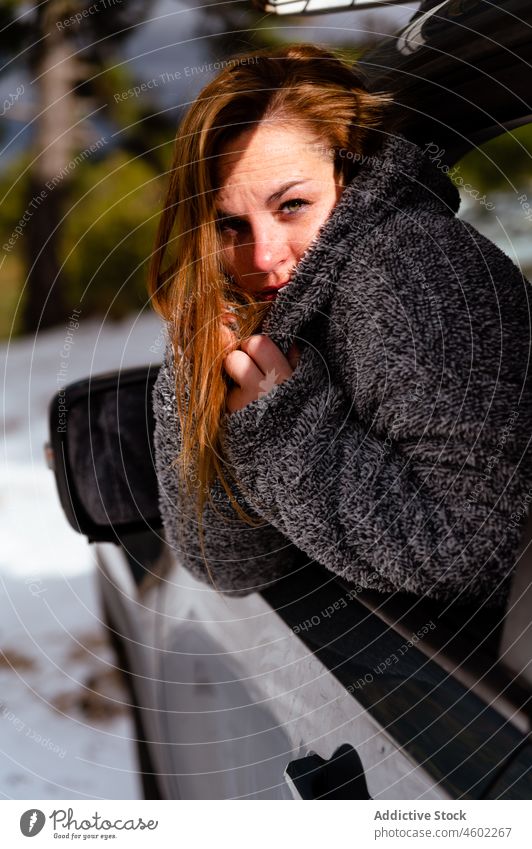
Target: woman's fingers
[[242, 368], [247, 377], [268, 357], [256, 368]]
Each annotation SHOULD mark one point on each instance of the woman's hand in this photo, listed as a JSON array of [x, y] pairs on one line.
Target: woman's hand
[[256, 367]]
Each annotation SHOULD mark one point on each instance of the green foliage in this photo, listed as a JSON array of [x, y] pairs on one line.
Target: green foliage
[[13, 197], [11, 275], [501, 163], [108, 234], [14, 183]]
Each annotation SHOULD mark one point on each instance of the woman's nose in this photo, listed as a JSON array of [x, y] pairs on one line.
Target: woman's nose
[[267, 249]]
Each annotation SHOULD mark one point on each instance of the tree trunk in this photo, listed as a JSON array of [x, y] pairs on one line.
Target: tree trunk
[[55, 73]]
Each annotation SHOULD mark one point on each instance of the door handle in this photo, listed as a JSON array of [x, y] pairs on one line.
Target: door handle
[[340, 777]]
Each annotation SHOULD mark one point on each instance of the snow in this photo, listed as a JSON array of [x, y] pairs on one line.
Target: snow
[[65, 729]]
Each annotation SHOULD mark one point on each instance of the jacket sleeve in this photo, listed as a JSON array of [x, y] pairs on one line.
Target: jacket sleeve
[[242, 558], [349, 498]]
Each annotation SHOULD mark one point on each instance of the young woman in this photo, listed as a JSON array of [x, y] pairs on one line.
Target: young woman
[[347, 375]]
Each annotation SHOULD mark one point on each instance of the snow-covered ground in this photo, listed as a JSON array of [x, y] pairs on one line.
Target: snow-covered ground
[[65, 731]]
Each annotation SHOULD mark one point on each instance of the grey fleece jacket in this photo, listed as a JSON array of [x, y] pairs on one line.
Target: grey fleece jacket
[[397, 454]]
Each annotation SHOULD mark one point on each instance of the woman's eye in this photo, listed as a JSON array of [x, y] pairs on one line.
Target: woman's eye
[[238, 225], [298, 202], [227, 224]]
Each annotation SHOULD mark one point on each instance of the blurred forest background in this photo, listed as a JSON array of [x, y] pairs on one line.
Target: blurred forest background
[[84, 154]]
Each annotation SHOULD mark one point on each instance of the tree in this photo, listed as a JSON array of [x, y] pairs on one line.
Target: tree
[[64, 43]]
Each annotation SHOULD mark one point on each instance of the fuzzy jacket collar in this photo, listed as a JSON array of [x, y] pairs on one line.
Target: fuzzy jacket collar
[[399, 176]]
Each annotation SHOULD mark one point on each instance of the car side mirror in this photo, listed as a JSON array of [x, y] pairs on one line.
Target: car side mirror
[[101, 452]]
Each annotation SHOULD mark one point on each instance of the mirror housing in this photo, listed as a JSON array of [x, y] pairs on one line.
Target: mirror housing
[[101, 452]]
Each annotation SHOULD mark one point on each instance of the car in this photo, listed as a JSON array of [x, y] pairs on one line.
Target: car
[[313, 688]]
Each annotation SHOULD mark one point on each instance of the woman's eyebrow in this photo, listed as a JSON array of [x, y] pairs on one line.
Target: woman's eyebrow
[[273, 197], [284, 188]]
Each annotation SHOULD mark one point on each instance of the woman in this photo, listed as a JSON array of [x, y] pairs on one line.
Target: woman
[[346, 378]]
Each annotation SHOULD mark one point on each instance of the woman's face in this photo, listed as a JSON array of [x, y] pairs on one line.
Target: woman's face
[[277, 187]]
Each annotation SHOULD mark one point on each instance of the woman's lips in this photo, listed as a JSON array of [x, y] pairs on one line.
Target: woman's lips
[[271, 292]]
